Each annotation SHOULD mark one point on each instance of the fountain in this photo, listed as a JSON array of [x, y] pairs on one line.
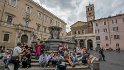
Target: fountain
[[55, 40]]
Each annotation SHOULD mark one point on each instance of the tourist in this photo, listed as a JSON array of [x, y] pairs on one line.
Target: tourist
[[61, 49], [60, 59], [26, 59], [101, 52], [7, 57], [16, 57], [85, 56], [54, 60], [74, 57], [43, 60], [68, 58], [77, 49], [49, 58], [38, 47]]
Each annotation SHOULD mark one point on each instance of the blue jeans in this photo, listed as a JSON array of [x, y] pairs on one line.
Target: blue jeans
[[6, 61]]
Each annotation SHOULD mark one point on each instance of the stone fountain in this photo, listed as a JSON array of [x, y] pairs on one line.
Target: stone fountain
[[55, 40]]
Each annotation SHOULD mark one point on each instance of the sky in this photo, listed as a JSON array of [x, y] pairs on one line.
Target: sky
[[71, 11]]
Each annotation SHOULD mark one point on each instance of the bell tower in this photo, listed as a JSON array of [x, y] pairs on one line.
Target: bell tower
[[90, 14]]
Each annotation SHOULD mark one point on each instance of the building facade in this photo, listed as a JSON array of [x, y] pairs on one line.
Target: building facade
[[110, 31], [25, 21], [82, 32]]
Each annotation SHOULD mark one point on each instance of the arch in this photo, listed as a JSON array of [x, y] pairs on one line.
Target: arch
[[89, 44], [24, 38], [82, 43]]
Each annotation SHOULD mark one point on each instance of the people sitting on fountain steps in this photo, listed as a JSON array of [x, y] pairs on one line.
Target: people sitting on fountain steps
[[68, 59], [74, 57], [26, 57], [7, 57], [85, 56], [43, 60], [61, 49]]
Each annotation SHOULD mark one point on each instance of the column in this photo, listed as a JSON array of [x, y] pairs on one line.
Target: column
[[78, 42], [85, 43]]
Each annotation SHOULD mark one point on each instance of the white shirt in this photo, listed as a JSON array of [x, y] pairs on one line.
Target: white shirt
[[48, 57], [16, 51]]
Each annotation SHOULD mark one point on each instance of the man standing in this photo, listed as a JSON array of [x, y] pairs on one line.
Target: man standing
[[101, 52], [16, 57]]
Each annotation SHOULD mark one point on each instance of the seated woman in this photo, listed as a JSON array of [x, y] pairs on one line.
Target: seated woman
[[74, 58], [68, 59], [85, 57]]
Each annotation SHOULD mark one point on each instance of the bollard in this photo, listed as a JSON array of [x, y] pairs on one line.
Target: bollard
[[2, 65], [96, 66]]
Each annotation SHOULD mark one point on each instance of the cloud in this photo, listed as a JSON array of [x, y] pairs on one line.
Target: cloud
[[74, 10]]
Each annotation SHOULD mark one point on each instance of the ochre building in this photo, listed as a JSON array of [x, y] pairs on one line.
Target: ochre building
[[25, 21]]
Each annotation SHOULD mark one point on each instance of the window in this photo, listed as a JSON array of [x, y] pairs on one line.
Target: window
[[75, 32], [13, 2], [38, 26], [115, 28], [6, 36], [26, 23], [28, 9], [97, 31], [107, 45], [106, 37], [104, 23], [97, 37], [114, 21], [87, 9], [91, 8], [45, 18], [9, 19], [96, 24], [39, 14], [116, 36], [105, 30], [78, 32], [51, 21], [123, 19], [117, 44]]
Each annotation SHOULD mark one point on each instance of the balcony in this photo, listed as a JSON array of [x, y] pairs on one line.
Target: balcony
[[24, 28]]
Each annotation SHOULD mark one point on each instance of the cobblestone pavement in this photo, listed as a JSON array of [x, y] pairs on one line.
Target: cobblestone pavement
[[114, 60]]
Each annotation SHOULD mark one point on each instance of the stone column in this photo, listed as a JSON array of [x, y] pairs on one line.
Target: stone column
[[85, 43], [78, 42]]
